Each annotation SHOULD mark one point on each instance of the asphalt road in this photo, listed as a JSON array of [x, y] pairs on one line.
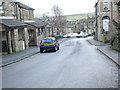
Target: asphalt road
[[76, 65]]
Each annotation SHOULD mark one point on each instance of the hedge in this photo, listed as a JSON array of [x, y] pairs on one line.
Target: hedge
[[115, 42]]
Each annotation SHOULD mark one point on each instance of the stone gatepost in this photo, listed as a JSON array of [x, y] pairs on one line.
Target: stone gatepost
[[9, 42], [36, 37], [26, 38], [15, 40]]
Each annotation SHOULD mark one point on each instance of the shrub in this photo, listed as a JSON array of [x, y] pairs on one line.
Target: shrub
[[115, 42]]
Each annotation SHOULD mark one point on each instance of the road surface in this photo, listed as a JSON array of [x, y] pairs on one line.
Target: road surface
[[76, 65]]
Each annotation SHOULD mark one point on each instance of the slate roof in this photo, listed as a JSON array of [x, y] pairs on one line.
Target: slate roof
[[70, 24], [87, 20], [12, 23], [37, 23], [9, 0], [21, 5]]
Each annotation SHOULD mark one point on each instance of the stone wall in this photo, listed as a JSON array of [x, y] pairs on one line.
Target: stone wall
[[21, 45], [8, 9], [11, 10]]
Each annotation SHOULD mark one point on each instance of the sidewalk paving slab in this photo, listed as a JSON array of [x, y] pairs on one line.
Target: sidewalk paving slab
[[15, 57], [104, 48], [110, 53], [97, 43]]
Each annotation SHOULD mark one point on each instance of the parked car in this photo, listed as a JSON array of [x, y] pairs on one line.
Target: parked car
[[65, 36], [84, 34], [70, 35], [78, 35], [73, 34], [49, 43]]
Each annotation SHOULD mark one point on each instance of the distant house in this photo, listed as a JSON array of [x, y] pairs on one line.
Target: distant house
[[105, 12], [87, 25], [69, 27]]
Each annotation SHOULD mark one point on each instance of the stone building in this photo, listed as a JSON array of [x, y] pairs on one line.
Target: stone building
[[69, 27], [105, 12], [36, 31], [86, 25], [16, 10], [16, 33]]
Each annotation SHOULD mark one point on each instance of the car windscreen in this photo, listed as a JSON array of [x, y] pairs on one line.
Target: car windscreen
[[47, 41]]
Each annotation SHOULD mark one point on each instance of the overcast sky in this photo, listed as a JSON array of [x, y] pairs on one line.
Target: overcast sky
[[68, 6]]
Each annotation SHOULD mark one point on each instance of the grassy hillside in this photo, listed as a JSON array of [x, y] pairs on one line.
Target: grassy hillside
[[76, 17]]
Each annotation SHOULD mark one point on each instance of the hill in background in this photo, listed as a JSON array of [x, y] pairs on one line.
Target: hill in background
[[76, 17], [73, 17]]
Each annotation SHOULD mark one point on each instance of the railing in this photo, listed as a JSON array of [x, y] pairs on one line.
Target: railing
[[58, 37]]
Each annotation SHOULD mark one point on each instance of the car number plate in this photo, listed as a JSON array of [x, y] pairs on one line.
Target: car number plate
[[46, 44]]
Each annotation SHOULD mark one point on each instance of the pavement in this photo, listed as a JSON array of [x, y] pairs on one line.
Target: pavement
[[110, 53], [106, 50], [18, 56]]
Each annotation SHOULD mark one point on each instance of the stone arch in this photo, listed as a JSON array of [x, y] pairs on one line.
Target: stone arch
[[105, 17]]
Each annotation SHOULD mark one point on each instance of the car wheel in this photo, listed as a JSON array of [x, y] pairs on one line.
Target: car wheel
[[58, 48], [41, 50], [55, 49]]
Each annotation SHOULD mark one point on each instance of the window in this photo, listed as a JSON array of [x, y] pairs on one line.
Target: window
[[28, 14], [39, 32], [47, 41], [105, 5], [20, 34], [106, 20], [1, 8], [21, 13]]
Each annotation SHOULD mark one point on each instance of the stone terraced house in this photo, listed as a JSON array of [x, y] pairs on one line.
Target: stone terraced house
[[87, 25], [15, 28], [105, 12]]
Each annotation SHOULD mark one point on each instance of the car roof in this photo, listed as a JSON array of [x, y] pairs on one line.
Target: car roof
[[50, 38]]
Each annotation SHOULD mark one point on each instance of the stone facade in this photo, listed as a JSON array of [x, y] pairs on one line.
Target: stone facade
[[11, 38], [105, 12], [16, 10], [36, 31], [14, 36], [69, 27], [86, 25], [35, 35]]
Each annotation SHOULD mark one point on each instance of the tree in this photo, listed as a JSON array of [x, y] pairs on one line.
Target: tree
[[115, 39], [58, 18], [117, 24], [57, 10]]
